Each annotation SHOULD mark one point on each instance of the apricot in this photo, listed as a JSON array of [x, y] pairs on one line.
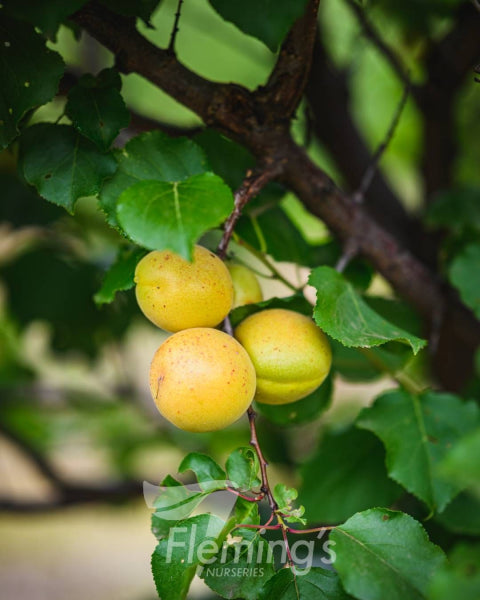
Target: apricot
[[201, 379], [291, 355], [176, 294], [246, 288]]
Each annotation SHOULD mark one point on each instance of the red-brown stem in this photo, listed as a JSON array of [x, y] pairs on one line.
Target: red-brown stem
[[291, 564], [253, 183], [261, 459], [259, 527], [245, 497]]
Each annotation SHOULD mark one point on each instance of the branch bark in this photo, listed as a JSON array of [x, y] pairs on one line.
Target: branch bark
[[448, 63]]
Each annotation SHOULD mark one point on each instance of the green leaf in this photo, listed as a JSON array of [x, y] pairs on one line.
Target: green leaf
[[464, 274], [346, 316], [246, 512], [61, 164], [242, 568], [284, 497], [382, 554], [462, 515], [174, 503], [151, 156], [47, 14], [346, 474], [96, 107], [260, 18], [302, 411], [417, 431], [120, 276], [161, 215], [207, 471], [29, 72], [46, 285], [461, 465], [460, 578], [312, 584], [457, 210], [242, 468], [176, 558]]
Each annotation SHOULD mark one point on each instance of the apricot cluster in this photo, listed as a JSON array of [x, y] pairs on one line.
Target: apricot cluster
[[202, 379]]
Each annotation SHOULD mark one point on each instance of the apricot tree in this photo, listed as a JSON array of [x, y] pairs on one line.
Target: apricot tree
[[280, 167]]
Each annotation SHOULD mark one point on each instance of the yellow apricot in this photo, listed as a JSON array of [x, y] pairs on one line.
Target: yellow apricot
[[176, 294], [246, 288], [201, 379], [291, 355]]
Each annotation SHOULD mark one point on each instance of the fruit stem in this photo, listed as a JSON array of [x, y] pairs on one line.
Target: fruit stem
[[255, 180]]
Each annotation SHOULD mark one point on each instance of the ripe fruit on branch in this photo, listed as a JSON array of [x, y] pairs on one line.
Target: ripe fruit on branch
[[291, 355], [247, 290], [176, 294], [202, 379]]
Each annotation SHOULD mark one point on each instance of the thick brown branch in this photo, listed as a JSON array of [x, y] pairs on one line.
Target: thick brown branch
[[287, 82], [328, 96], [226, 106], [138, 123], [448, 63], [349, 221]]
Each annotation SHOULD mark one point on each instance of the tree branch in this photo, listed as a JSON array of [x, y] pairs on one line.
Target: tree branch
[[236, 112], [66, 494], [254, 182], [75, 495], [372, 169], [448, 63], [288, 79], [328, 96], [374, 36]]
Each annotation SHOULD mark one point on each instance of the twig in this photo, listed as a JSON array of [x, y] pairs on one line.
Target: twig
[[265, 488], [372, 34], [245, 496], [350, 250], [173, 36], [253, 183], [359, 194], [476, 4]]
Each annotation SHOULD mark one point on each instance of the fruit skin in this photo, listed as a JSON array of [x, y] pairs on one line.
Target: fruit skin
[[176, 294], [201, 379], [247, 290], [291, 355]]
